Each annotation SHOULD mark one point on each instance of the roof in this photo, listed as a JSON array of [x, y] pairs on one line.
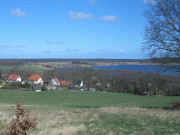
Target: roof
[[56, 80], [77, 83], [13, 77], [66, 83], [36, 88], [34, 78]]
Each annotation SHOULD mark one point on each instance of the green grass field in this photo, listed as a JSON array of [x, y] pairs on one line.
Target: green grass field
[[92, 113], [5, 69], [83, 99]]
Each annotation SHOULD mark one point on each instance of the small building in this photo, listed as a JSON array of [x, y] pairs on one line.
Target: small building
[[13, 78], [146, 93], [107, 85], [78, 84], [55, 82], [98, 84], [92, 89], [24, 82], [36, 88], [53, 88], [35, 79], [65, 83], [82, 88]]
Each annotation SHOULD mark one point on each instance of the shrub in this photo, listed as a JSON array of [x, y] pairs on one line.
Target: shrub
[[21, 124], [176, 105], [43, 88], [16, 85]]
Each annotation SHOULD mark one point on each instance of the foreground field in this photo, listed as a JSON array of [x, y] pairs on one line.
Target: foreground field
[[99, 121], [92, 113]]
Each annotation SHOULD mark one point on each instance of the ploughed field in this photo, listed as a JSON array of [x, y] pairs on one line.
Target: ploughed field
[[97, 113]]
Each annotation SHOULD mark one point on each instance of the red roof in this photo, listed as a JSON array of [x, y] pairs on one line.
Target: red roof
[[34, 78], [56, 80], [66, 83], [13, 77]]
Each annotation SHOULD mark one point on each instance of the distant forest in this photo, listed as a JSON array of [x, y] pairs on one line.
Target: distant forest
[[74, 61]]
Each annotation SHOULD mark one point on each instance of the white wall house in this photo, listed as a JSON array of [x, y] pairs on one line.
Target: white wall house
[[55, 82], [78, 84], [13, 78], [35, 79]]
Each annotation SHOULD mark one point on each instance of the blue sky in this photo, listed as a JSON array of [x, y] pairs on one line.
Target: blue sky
[[72, 28]]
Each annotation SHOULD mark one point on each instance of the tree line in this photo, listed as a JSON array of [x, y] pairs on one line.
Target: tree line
[[123, 81]]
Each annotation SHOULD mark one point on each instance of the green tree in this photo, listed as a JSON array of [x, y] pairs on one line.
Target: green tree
[[43, 88]]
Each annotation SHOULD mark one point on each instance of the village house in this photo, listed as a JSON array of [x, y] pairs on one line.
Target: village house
[[35, 79], [78, 84], [65, 83], [36, 88], [55, 82], [14, 78]]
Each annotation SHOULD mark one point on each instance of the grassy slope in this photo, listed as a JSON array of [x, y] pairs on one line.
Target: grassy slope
[[83, 99], [99, 121], [6, 69], [38, 69], [77, 119]]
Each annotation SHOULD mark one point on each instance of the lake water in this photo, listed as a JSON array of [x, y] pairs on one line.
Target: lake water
[[144, 68]]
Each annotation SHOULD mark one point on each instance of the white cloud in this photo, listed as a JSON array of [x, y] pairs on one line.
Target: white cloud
[[18, 13], [54, 42], [104, 51], [107, 51], [20, 46], [5, 46], [8, 46], [80, 16], [59, 42], [122, 51], [71, 49], [110, 18]]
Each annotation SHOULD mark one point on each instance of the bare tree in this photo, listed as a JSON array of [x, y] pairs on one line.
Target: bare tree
[[162, 34], [0, 75]]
